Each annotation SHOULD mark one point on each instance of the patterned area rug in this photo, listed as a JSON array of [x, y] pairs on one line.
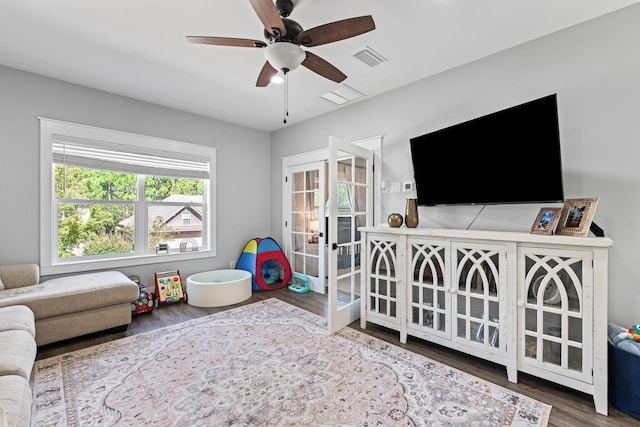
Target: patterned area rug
[[265, 364]]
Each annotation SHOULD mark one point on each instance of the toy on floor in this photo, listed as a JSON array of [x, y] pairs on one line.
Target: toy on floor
[[299, 288], [268, 265], [270, 272], [169, 288], [145, 301], [633, 333]]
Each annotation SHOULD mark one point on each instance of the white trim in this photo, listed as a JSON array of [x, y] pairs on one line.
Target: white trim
[[375, 144], [321, 155], [49, 128], [302, 158], [130, 261], [52, 126], [316, 283]]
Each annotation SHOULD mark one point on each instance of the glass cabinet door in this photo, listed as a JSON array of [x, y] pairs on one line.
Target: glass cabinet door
[[383, 280], [478, 289], [555, 311], [429, 286]]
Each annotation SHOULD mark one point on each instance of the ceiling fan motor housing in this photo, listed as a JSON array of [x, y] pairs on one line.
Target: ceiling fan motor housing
[[293, 29], [284, 7]]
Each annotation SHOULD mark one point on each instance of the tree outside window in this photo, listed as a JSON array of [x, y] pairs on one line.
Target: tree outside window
[[108, 198], [96, 216]]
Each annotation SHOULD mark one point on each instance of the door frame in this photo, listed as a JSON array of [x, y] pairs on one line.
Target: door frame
[[373, 144], [316, 283], [288, 163]]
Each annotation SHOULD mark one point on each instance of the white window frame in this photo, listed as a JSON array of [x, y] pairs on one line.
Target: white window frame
[[48, 221]]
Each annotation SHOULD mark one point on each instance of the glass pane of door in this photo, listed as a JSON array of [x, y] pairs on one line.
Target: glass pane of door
[[306, 241]]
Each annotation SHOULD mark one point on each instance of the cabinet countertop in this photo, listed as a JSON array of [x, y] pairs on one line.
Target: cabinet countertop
[[506, 236]]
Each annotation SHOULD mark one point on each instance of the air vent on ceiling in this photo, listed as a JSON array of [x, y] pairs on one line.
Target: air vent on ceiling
[[342, 94], [370, 57]]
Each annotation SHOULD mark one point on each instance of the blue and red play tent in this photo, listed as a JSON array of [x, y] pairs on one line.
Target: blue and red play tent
[[266, 262]]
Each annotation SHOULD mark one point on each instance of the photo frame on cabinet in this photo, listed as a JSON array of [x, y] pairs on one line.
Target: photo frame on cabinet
[[576, 216], [546, 221]]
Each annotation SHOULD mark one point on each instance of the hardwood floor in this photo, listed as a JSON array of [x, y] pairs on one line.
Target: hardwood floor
[[570, 407]]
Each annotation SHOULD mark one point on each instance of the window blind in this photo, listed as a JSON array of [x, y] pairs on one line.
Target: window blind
[[73, 151]]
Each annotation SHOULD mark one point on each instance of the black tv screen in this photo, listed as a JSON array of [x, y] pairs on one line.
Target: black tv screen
[[510, 156]]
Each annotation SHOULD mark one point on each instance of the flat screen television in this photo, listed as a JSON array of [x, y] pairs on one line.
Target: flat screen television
[[510, 156]]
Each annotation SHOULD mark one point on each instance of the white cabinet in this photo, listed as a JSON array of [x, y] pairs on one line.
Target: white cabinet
[[556, 314], [384, 278], [521, 300]]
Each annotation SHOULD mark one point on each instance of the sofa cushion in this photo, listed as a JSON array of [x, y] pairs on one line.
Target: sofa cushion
[[70, 294], [17, 275], [15, 401], [18, 317], [17, 353]]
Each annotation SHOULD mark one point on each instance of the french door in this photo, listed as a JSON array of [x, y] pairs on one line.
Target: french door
[[350, 206], [305, 246]]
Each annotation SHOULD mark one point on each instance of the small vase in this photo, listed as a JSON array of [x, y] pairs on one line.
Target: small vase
[[411, 214], [395, 220]]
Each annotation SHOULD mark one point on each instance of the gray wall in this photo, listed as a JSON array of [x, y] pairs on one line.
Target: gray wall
[[594, 69], [243, 191]]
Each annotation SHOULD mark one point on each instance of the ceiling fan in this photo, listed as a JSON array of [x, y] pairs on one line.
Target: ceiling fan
[[284, 38]]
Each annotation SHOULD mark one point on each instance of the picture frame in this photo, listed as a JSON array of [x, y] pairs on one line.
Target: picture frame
[[546, 221], [576, 216]]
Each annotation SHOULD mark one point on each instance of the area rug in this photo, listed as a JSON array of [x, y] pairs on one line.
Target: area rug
[[265, 364]]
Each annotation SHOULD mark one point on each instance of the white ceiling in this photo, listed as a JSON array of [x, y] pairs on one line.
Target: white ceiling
[[137, 48]]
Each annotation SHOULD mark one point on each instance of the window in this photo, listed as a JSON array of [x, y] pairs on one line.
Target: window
[[344, 198], [186, 217], [109, 198]]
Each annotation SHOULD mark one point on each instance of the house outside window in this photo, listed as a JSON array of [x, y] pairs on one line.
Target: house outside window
[[110, 198]]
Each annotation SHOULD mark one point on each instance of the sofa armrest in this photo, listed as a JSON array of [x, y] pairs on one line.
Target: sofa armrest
[[18, 275]]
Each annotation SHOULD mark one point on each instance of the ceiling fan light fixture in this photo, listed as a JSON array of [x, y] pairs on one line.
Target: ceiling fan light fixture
[[284, 56]]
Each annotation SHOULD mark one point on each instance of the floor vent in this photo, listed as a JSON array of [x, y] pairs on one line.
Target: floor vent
[[370, 57]]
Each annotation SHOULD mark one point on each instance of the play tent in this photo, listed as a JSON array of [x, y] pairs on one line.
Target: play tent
[[266, 262]]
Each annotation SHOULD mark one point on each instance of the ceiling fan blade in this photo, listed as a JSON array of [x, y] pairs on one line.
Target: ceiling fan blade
[[269, 16], [266, 74], [335, 31], [322, 67], [226, 41]]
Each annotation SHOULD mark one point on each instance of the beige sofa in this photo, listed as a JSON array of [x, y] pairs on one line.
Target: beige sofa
[[17, 356], [71, 306]]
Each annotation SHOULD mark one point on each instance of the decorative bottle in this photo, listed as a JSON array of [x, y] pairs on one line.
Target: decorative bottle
[[411, 214]]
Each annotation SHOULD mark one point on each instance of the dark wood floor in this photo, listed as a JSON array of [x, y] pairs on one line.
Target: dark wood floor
[[570, 408]]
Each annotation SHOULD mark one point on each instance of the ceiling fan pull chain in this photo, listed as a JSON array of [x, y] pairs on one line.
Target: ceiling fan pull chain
[[286, 96]]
